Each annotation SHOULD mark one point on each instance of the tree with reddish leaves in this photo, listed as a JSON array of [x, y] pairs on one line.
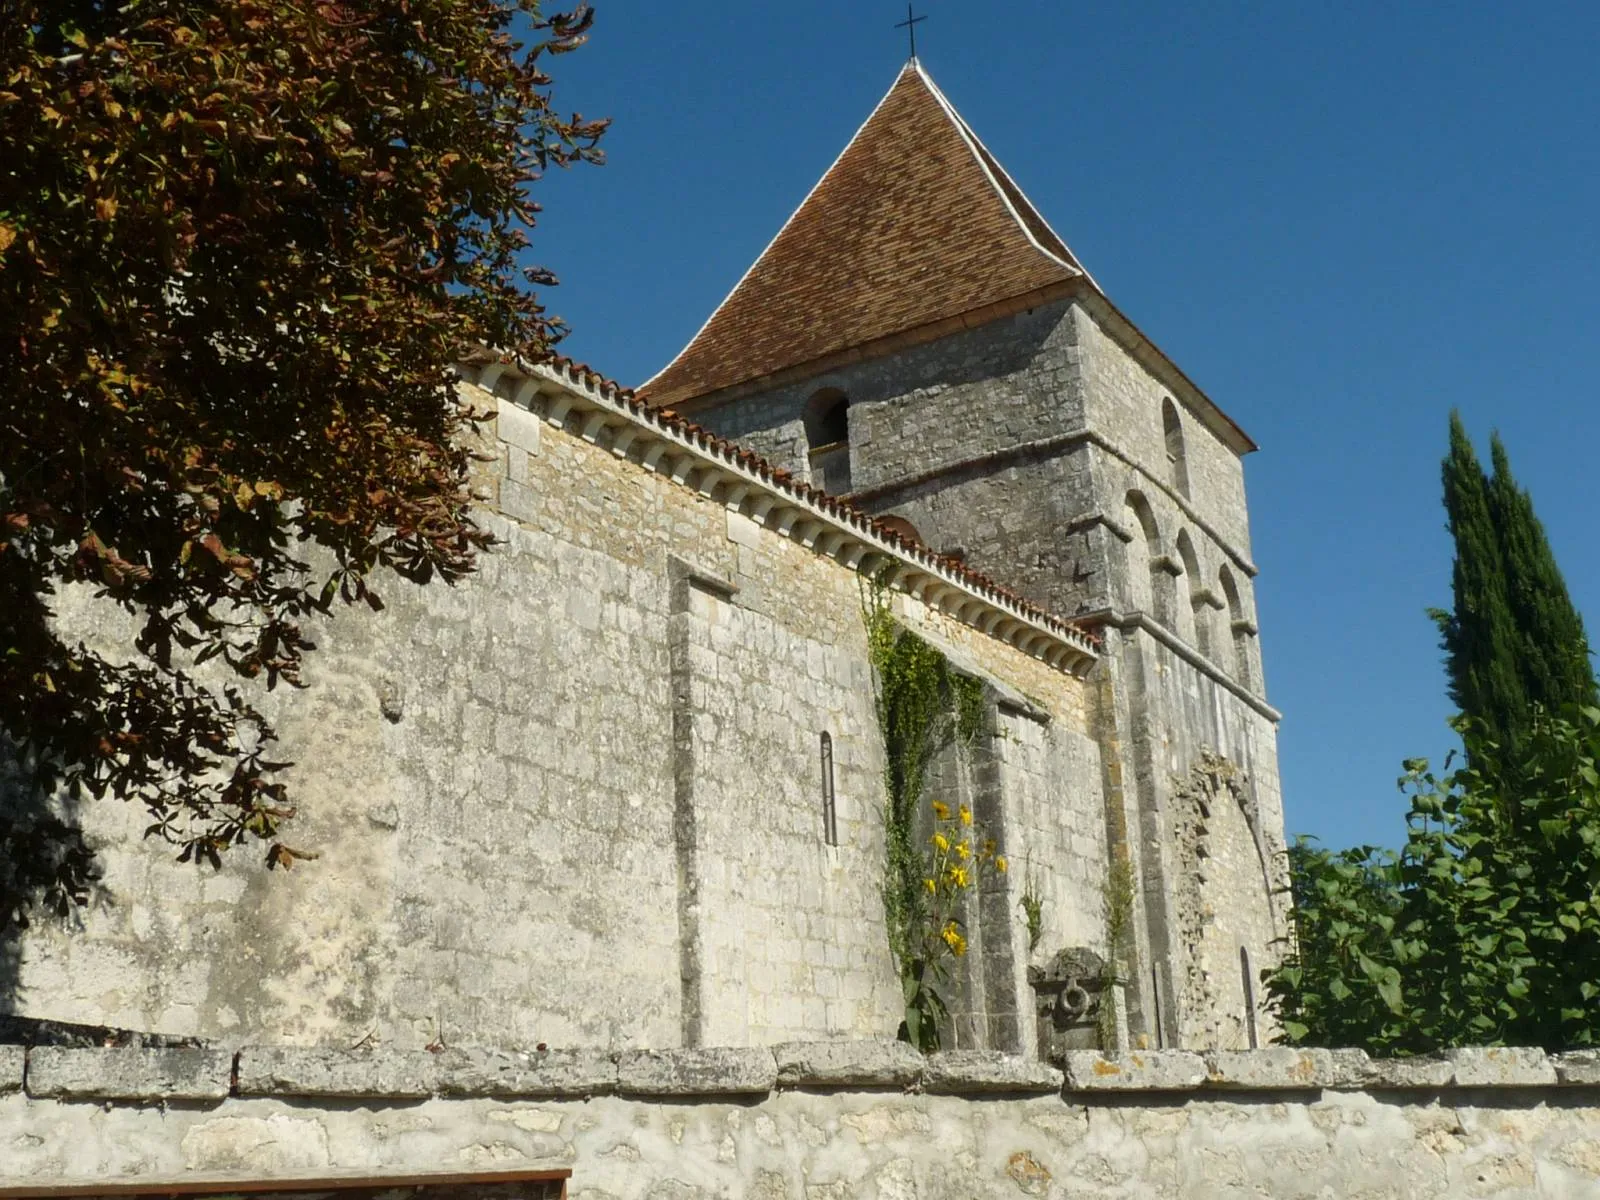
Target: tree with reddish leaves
[[241, 245]]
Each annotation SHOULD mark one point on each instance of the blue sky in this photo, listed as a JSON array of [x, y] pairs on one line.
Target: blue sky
[[1341, 220]]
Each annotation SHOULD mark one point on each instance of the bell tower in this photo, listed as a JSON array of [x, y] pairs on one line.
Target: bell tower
[[918, 338]]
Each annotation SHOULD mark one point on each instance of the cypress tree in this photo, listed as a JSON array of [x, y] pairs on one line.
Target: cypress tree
[[1554, 651], [1513, 639], [1479, 635]]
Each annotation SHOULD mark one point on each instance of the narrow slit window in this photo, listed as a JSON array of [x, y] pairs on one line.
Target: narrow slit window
[[830, 814], [1249, 998], [1177, 461]]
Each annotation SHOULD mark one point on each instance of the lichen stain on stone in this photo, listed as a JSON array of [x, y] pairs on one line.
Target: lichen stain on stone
[[1071, 1126], [1102, 1067], [876, 1124], [489, 1153], [255, 1143], [1028, 1173], [529, 1120], [1581, 1155], [897, 1181], [1502, 1173]]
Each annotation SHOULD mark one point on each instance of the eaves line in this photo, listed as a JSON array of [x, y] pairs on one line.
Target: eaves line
[[575, 400]]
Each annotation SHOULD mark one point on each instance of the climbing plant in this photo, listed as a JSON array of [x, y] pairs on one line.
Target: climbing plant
[[923, 707], [1118, 897], [1032, 905]]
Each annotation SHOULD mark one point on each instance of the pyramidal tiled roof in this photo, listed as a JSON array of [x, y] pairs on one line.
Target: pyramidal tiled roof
[[914, 223]]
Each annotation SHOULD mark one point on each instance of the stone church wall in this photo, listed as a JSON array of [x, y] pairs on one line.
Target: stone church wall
[[575, 799], [966, 395], [808, 1122], [1124, 403]]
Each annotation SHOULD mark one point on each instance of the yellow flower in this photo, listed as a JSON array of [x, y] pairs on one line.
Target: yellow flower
[[941, 843], [1000, 863], [963, 851], [952, 938], [959, 876], [966, 815], [930, 885], [941, 810]]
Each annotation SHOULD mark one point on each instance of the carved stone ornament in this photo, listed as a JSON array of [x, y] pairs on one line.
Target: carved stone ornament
[[1067, 1001]]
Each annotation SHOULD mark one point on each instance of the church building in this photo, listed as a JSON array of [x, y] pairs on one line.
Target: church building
[[603, 835]]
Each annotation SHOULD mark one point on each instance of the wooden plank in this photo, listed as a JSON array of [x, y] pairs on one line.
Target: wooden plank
[[453, 1185]]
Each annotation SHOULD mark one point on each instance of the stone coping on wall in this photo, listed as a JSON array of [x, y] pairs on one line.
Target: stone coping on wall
[[173, 1075], [569, 396]]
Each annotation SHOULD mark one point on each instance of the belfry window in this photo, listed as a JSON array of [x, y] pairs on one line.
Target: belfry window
[[1177, 463], [830, 812], [827, 422]]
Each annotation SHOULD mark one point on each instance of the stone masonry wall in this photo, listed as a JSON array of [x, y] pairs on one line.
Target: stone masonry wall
[[954, 399], [575, 799], [1036, 446], [1123, 401], [815, 1122]]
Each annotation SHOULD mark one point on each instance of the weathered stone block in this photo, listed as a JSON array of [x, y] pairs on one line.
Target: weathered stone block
[[540, 1073], [1279, 1067], [960, 1072], [713, 1072], [521, 502], [13, 1061], [295, 1071], [1410, 1073], [1500, 1066], [128, 1073], [1577, 1067], [848, 1064], [1271, 1068], [518, 427], [1137, 1071], [745, 532]]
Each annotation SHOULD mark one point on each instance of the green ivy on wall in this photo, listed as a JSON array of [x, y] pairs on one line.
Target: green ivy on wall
[[923, 707]]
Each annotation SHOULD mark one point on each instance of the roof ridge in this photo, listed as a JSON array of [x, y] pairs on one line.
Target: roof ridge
[[989, 165]]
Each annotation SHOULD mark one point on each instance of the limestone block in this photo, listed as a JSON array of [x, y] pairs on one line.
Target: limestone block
[[1284, 1067], [297, 1071], [1410, 1073], [521, 502], [959, 1072], [541, 1073], [743, 531], [1500, 1066], [13, 1061], [518, 427], [1577, 1067], [722, 1071], [848, 1064], [1270, 1069], [1137, 1071], [128, 1073]]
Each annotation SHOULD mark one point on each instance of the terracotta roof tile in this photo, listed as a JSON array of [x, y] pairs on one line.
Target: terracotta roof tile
[[914, 223]]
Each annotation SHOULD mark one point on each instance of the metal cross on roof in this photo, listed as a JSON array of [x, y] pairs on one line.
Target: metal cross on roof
[[910, 26]]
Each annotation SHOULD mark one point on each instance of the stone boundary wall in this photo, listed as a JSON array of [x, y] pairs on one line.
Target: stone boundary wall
[[149, 1075], [815, 1121]]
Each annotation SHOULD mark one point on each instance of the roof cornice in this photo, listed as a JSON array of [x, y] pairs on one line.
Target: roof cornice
[[572, 397], [1169, 372]]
